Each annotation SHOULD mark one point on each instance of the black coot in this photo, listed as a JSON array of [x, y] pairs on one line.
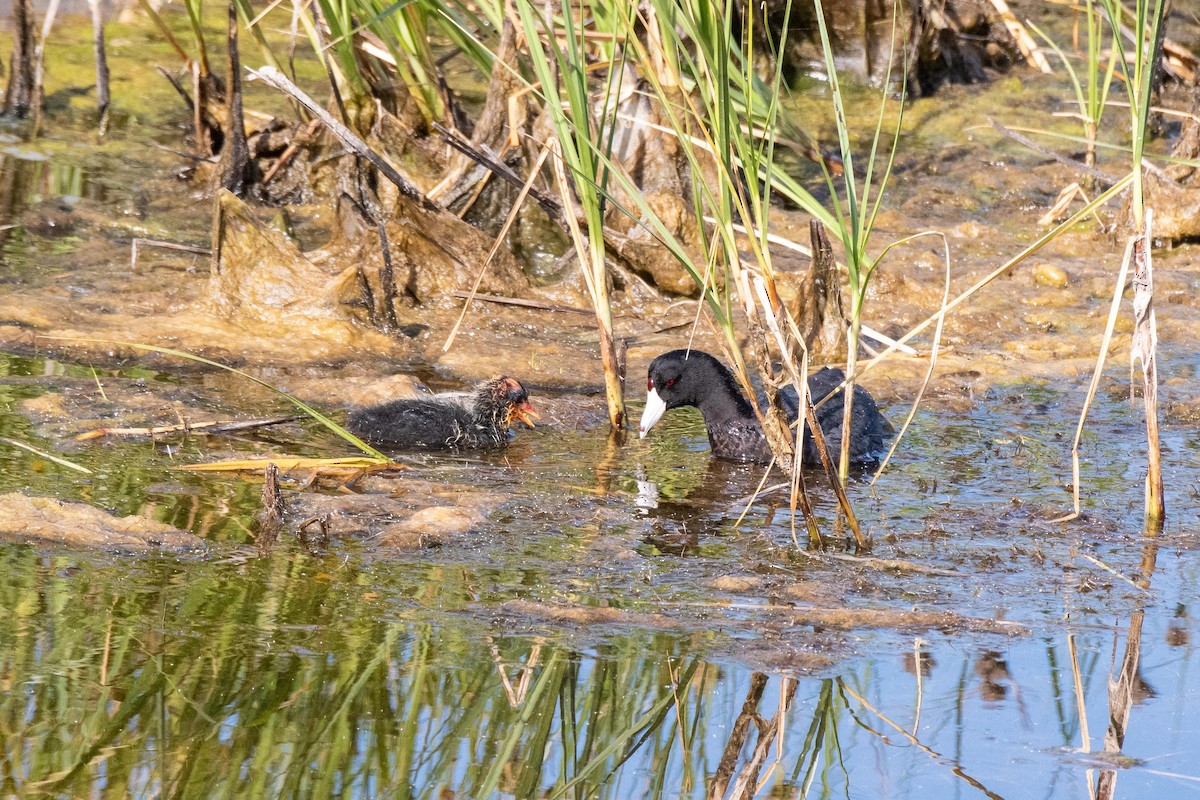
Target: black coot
[[694, 378], [478, 419]]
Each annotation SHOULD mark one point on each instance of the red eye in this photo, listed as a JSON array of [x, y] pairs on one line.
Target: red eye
[[670, 382]]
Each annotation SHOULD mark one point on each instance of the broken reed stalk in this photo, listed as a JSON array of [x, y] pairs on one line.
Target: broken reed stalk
[[835, 481], [39, 68], [771, 310], [762, 305], [731, 754], [235, 152], [1144, 349], [270, 516], [1121, 693], [748, 783], [1139, 68], [387, 278], [19, 94]]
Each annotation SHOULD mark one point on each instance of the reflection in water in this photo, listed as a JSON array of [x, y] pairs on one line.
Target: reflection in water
[[919, 662], [315, 670], [24, 183], [1128, 688], [1178, 634], [992, 670], [275, 679]]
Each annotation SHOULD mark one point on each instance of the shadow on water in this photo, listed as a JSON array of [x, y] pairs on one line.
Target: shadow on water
[[602, 638]]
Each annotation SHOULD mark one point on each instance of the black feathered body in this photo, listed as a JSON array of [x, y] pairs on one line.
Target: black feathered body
[[683, 378], [454, 420]]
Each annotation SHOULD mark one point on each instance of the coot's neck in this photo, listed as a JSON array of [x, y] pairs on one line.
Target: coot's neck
[[484, 408], [723, 402]]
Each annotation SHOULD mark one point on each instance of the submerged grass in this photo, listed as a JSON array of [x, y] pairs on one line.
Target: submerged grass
[[62, 462]]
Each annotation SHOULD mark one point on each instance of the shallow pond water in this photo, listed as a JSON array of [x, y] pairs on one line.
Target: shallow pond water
[[607, 632]]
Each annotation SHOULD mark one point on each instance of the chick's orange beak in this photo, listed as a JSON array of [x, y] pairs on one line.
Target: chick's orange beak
[[526, 414]]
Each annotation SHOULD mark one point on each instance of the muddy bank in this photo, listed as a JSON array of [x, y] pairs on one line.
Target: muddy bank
[[49, 522], [983, 191]]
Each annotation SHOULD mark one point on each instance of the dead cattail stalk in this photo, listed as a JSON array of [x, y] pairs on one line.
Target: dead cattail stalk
[[39, 67], [235, 152], [1144, 350], [18, 97]]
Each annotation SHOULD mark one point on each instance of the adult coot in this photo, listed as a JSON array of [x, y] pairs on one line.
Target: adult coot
[[478, 419], [694, 378]]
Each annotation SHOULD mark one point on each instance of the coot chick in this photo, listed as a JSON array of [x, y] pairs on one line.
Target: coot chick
[[694, 378], [466, 420]]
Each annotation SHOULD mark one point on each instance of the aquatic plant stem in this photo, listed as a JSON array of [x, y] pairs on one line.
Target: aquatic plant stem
[[591, 262], [1149, 16]]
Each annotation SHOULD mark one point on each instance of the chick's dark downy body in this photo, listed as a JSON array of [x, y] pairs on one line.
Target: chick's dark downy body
[[694, 378], [458, 420]]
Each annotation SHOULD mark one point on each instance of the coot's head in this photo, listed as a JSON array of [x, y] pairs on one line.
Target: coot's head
[[506, 400], [679, 378]]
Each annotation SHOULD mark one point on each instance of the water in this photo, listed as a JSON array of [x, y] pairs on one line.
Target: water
[[584, 643]]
